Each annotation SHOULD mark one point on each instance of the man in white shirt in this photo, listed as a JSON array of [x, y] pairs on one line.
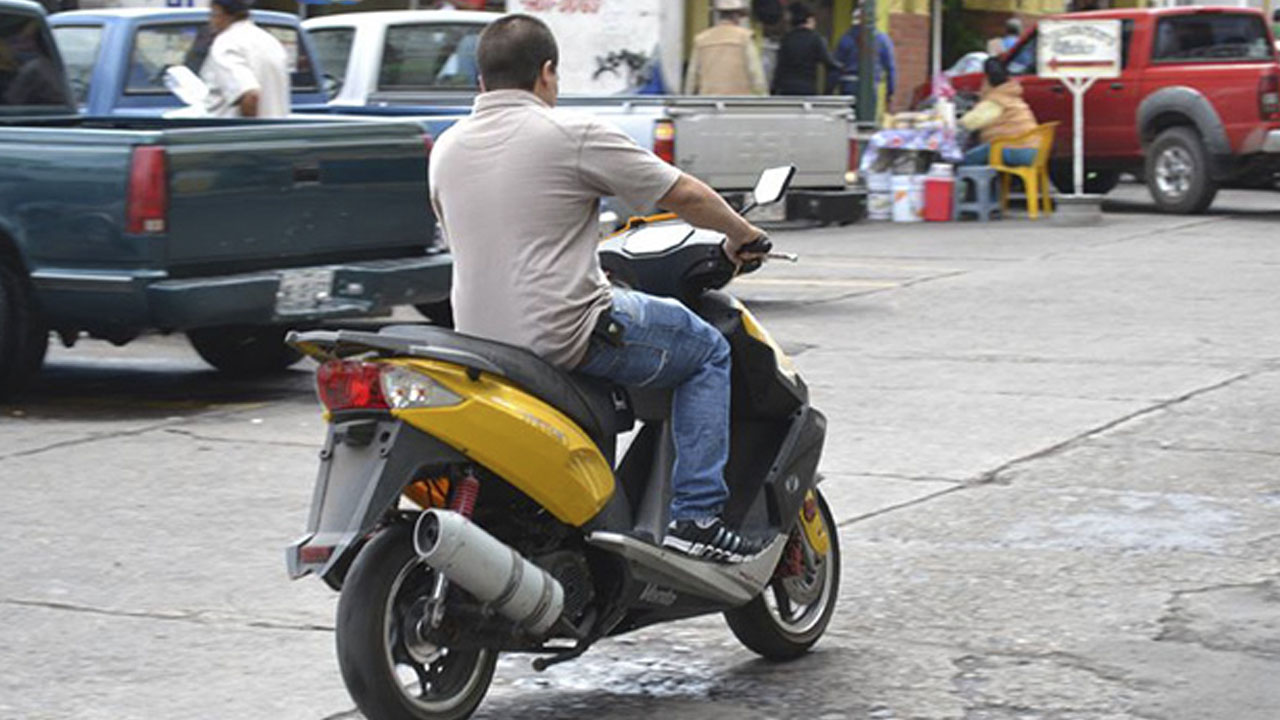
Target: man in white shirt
[[247, 68]]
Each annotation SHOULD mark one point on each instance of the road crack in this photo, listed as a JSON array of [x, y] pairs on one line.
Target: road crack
[[1221, 627], [168, 425], [994, 475], [239, 441], [195, 617], [893, 508]]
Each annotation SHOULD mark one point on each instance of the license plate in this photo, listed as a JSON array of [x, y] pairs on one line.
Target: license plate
[[303, 290]]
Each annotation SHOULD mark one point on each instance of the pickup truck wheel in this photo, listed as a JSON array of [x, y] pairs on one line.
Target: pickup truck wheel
[[244, 351], [1178, 172], [23, 336], [1096, 182], [439, 313]]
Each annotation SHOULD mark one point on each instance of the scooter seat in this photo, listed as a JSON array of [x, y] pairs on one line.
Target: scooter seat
[[587, 401]]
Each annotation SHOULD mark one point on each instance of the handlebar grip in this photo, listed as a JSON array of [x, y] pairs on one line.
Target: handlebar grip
[[761, 245]]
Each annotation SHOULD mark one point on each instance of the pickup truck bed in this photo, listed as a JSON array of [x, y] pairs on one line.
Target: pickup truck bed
[[422, 63], [229, 230]]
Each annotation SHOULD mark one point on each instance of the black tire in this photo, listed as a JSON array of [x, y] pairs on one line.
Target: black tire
[[1096, 182], [439, 313], [758, 627], [23, 335], [244, 351], [384, 579], [1178, 174]]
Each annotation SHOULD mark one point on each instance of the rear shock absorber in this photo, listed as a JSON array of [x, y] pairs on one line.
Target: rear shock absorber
[[463, 502], [465, 494]]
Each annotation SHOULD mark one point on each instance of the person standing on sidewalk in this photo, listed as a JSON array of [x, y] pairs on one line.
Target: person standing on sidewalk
[[725, 60], [247, 68], [801, 52], [849, 54], [526, 270]]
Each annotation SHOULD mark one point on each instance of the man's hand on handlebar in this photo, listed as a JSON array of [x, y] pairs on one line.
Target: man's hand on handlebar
[[747, 250]]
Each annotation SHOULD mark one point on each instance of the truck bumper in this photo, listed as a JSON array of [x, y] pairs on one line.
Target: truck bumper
[[1272, 142], [152, 300]]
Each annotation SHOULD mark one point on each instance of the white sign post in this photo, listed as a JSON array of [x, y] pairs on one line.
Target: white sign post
[[1079, 53]]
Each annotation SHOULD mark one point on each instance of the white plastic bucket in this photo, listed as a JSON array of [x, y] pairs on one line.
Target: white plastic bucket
[[908, 198], [879, 196]]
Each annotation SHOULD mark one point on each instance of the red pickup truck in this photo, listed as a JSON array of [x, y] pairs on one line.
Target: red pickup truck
[[1197, 104]]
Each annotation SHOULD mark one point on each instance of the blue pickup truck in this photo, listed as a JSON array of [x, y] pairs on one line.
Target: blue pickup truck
[[115, 58], [227, 230]]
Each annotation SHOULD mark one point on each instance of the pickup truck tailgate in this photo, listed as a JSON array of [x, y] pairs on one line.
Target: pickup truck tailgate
[[727, 144], [275, 192]]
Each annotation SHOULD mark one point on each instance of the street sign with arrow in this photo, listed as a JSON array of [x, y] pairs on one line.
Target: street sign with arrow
[[1079, 48], [1079, 53]]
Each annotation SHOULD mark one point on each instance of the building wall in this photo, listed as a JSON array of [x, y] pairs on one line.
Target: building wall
[[910, 35]]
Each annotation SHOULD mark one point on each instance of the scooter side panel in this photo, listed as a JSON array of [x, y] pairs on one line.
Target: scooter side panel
[[527, 442]]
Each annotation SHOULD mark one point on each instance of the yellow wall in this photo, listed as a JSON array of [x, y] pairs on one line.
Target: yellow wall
[[1025, 7]]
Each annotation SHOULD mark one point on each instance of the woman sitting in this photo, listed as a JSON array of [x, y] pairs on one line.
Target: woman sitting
[[1000, 113]]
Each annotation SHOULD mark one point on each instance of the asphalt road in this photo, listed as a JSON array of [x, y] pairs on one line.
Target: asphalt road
[[1051, 451]]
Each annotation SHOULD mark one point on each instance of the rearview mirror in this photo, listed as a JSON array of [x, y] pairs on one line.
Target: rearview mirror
[[185, 84], [773, 184]]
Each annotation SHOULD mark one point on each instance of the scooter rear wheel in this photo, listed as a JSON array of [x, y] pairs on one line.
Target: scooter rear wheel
[[793, 611], [390, 672]]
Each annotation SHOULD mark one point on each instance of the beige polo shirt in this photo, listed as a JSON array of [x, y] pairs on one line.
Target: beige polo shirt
[[516, 187]]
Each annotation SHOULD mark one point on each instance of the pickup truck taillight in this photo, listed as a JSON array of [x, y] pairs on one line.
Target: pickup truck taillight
[[664, 141], [148, 198], [1269, 96]]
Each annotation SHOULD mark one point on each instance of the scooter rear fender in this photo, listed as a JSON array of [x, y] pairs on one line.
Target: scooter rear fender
[[365, 465]]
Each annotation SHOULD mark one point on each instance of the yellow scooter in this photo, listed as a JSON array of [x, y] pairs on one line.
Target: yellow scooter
[[469, 502]]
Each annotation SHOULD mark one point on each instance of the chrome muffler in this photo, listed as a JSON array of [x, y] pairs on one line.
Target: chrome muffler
[[489, 569]]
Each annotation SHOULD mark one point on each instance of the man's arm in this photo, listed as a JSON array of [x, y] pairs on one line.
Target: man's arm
[[249, 103], [691, 75], [890, 64], [700, 206], [240, 85]]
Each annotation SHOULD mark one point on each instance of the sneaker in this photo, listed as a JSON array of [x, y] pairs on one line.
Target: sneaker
[[709, 538]]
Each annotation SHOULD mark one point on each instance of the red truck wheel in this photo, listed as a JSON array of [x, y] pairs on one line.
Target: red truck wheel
[[1178, 172]]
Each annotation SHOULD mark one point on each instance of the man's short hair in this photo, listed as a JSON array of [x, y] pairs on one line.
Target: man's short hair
[[238, 9], [513, 50], [800, 13]]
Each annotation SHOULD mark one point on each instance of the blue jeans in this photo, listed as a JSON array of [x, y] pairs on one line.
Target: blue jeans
[[666, 346], [1013, 157]]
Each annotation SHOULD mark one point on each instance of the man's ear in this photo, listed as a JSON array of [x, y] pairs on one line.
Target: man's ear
[[548, 73]]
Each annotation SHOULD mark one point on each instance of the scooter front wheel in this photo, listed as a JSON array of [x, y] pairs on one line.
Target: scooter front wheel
[[793, 610], [390, 671]]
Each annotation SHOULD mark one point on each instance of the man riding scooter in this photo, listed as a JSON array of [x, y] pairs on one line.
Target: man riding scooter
[[516, 187]]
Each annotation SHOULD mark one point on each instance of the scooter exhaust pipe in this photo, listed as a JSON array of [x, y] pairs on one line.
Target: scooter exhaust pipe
[[489, 569]]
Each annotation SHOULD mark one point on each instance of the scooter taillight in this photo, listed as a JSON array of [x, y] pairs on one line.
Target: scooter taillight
[[349, 385]]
